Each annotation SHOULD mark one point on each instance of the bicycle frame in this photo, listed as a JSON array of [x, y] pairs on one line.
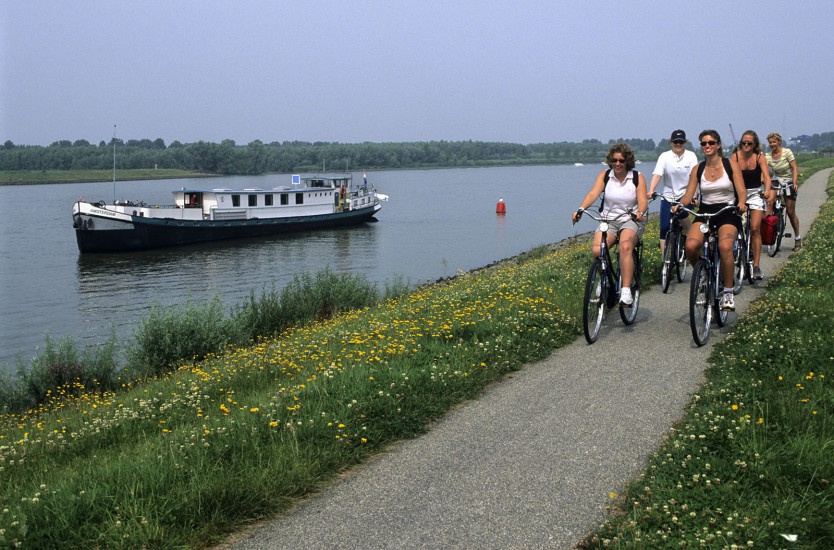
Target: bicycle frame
[[705, 291], [673, 255], [603, 286], [779, 208]]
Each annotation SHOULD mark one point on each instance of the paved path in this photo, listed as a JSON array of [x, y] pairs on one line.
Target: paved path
[[532, 462]]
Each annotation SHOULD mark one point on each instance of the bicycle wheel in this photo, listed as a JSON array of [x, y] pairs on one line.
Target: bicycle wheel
[[680, 257], [780, 229], [719, 314], [668, 261], [740, 263], [700, 302], [593, 307], [748, 260], [629, 314], [772, 249]]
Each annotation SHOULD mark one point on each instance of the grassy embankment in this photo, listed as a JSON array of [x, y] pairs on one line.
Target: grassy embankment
[[185, 458], [29, 177]]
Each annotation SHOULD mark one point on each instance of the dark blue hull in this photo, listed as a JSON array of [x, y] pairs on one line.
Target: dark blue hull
[[149, 233]]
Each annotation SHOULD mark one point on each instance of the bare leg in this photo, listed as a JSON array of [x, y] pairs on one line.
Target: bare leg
[[727, 235]]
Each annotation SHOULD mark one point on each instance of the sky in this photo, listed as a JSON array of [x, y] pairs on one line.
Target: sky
[[353, 71]]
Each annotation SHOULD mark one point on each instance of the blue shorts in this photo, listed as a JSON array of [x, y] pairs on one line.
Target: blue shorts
[[666, 217]]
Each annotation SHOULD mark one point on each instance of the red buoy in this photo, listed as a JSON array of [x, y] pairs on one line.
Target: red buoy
[[501, 208]]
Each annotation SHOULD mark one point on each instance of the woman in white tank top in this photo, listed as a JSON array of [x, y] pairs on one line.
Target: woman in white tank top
[[718, 189], [623, 196]]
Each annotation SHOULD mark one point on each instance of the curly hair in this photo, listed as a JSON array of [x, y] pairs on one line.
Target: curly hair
[[757, 145], [625, 151], [776, 135]]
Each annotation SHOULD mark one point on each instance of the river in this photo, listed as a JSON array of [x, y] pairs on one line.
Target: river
[[437, 223]]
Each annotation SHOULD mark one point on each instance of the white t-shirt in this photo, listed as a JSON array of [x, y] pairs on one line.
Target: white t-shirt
[[675, 171]]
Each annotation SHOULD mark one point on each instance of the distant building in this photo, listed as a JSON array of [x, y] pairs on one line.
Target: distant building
[[800, 143]]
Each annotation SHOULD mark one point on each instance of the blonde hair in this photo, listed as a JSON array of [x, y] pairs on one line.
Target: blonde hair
[[776, 135]]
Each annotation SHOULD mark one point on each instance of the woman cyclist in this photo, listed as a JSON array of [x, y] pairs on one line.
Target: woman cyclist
[[720, 184], [783, 163], [622, 197], [754, 170]]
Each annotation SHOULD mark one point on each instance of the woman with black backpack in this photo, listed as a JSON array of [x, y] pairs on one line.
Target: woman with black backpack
[[719, 182]]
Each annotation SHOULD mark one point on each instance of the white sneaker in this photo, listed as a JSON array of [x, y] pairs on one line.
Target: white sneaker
[[728, 302], [625, 297]]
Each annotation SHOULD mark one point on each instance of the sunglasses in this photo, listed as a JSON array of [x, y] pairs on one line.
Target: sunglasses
[[678, 141], [618, 161], [710, 143], [747, 143]]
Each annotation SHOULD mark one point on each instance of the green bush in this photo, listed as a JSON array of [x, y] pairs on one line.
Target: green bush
[[169, 335]]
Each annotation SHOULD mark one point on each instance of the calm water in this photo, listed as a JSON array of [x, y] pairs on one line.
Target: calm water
[[437, 223]]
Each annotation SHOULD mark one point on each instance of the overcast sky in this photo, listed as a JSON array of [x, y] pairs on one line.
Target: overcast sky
[[400, 70]]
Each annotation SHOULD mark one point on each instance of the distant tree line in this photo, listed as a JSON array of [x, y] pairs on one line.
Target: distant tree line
[[257, 157], [289, 156]]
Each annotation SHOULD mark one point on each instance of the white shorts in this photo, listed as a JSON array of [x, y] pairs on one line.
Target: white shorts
[[755, 201]]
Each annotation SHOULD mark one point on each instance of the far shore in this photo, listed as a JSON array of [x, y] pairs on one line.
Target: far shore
[[93, 176]]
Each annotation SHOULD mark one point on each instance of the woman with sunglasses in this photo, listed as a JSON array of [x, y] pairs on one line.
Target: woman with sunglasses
[[622, 197], [753, 166], [720, 184], [783, 163]]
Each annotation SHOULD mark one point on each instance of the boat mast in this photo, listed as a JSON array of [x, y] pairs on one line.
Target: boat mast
[[114, 164]]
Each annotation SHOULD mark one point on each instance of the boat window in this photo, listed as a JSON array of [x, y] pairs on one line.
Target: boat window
[[267, 200], [299, 198], [235, 200], [285, 199], [253, 200]]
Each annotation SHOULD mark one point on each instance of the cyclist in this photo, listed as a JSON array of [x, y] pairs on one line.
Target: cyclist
[[754, 170], [720, 184], [622, 195], [673, 168], [783, 163]]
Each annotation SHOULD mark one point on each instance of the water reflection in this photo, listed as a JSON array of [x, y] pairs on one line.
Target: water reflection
[[122, 287]]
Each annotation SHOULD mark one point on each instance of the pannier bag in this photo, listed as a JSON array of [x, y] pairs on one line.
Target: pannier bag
[[768, 229]]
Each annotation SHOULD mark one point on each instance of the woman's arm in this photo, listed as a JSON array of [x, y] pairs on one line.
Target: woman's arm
[[738, 182], [690, 187], [642, 201], [593, 194], [765, 174]]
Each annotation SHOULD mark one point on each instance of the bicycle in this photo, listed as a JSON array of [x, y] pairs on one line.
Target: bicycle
[[779, 210], [743, 255], [674, 255], [602, 289], [706, 287]]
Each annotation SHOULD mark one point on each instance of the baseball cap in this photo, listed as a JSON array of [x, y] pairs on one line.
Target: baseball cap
[[678, 134]]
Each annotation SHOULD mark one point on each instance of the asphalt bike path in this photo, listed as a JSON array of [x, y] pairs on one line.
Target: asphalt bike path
[[532, 462]]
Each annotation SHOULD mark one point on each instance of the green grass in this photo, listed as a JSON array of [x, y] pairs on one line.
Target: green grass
[[187, 457], [16, 177]]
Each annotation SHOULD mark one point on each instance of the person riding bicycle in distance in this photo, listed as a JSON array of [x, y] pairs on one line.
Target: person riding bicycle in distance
[[720, 185], [672, 169], [622, 196]]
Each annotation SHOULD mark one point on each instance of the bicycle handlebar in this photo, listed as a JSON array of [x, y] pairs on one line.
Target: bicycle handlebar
[[601, 218], [703, 215]]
